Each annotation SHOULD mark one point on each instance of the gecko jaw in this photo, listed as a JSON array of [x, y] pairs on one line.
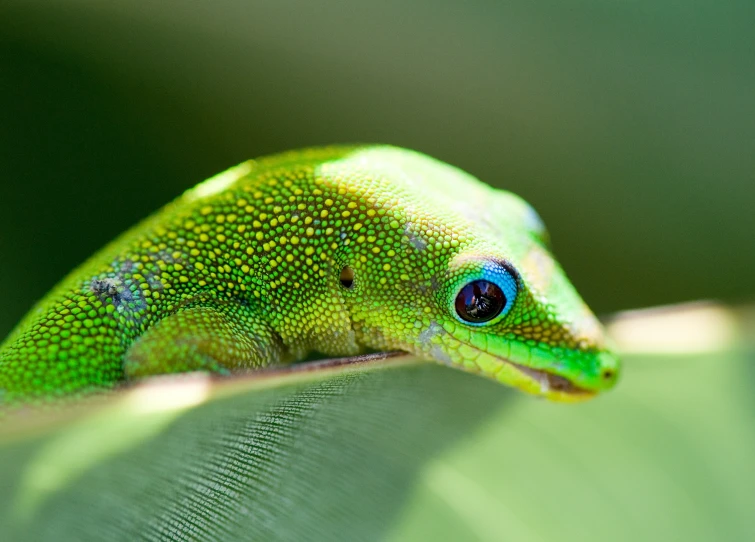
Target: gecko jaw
[[535, 381], [552, 382]]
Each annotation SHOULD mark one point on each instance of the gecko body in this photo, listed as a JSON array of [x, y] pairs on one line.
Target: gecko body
[[330, 250]]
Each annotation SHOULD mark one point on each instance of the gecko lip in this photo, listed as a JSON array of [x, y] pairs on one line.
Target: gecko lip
[[552, 382], [549, 382]]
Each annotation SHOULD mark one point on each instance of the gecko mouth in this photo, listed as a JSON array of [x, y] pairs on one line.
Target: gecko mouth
[[551, 382], [547, 381]]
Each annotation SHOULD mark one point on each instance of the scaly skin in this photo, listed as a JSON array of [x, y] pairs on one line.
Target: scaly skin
[[244, 271]]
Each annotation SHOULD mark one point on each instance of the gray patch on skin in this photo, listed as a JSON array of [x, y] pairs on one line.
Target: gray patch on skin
[[167, 257], [154, 282], [439, 354], [425, 288], [119, 292], [126, 296], [127, 267], [104, 288], [414, 240], [435, 283], [434, 330]]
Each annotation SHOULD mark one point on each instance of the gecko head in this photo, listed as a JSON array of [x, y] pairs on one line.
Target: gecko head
[[508, 311], [504, 319], [518, 321], [463, 274]]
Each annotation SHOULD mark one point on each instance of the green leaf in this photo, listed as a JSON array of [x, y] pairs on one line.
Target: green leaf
[[323, 454], [400, 450]]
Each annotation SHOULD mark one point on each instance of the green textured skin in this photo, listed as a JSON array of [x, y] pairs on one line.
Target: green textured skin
[[242, 272]]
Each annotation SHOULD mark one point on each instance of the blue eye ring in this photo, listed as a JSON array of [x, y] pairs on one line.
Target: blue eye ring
[[486, 296]]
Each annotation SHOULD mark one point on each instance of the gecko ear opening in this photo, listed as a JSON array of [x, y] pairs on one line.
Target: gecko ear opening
[[347, 277]]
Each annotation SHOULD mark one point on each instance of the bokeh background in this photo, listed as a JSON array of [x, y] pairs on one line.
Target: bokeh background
[[630, 126]]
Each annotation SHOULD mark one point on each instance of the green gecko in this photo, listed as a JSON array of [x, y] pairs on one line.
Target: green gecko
[[332, 250]]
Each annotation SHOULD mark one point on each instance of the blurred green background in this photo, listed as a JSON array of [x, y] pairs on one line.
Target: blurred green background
[[630, 126]]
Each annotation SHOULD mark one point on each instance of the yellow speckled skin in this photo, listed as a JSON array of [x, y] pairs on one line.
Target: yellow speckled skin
[[244, 271]]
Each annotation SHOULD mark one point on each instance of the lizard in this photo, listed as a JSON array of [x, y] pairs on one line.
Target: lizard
[[335, 250]]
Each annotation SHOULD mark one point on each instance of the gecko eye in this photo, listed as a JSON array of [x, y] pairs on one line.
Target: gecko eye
[[480, 301], [484, 292]]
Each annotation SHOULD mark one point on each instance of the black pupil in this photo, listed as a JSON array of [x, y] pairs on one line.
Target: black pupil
[[480, 301]]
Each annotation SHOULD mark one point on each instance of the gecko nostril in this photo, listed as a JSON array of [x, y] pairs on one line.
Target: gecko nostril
[[607, 374], [347, 277]]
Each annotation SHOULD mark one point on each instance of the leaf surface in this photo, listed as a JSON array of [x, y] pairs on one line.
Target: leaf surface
[[398, 449]]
